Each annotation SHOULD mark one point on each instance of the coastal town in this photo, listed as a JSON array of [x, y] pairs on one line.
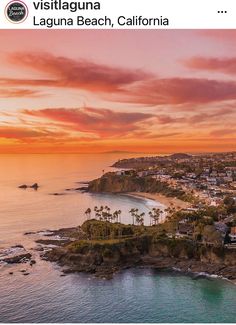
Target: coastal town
[[193, 231], [206, 183]]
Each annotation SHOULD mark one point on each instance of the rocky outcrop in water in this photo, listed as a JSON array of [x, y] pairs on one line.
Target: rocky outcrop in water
[[14, 254], [35, 186]]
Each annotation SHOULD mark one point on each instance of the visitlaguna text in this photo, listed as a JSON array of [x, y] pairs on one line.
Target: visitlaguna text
[[86, 21]]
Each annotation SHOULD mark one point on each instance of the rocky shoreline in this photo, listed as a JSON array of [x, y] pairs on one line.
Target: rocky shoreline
[[75, 250], [191, 268], [104, 258]]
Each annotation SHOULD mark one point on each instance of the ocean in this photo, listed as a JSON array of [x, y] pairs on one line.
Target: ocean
[[44, 296]]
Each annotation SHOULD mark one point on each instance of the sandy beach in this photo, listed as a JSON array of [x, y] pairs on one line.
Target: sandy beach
[[167, 201]]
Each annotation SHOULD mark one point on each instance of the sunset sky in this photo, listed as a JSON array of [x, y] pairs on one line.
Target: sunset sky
[[97, 91]]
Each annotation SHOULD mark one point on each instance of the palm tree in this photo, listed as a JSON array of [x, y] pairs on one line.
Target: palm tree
[[151, 217], [98, 213], [141, 218], [88, 213], [155, 215], [133, 213], [104, 216], [115, 216], [119, 215]]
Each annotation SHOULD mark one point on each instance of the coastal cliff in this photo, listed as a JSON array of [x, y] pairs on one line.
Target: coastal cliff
[[128, 246], [113, 183]]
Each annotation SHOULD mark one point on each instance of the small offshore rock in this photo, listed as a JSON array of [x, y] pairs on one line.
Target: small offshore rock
[[24, 186], [29, 233], [82, 189], [58, 194], [35, 186]]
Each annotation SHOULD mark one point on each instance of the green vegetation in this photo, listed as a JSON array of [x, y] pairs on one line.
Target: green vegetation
[[107, 237], [96, 229]]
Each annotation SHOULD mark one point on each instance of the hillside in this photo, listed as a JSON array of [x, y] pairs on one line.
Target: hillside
[[113, 183]]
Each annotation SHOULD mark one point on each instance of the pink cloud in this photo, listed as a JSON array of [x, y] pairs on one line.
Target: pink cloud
[[175, 91], [223, 132], [103, 122], [69, 73], [224, 65], [124, 85]]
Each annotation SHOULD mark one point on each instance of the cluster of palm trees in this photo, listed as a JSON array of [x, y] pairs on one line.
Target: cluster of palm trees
[[138, 218], [155, 215], [104, 214]]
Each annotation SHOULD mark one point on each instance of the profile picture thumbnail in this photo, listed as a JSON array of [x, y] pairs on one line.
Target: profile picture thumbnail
[[16, 12]]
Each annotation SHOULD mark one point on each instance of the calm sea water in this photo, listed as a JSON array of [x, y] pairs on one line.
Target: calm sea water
[[45, 296]]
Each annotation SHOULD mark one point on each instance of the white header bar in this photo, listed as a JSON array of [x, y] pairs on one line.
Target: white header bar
[[118, 14]]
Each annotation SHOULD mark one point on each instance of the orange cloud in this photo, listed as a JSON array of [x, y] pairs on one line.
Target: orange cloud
[[9, 93], [20, 133], [10, 132], [103, 122]]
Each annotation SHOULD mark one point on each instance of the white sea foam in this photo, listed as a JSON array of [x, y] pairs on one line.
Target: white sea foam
[[11, 250]]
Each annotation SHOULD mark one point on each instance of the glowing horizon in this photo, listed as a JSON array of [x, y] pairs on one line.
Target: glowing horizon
[[157, 91]]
